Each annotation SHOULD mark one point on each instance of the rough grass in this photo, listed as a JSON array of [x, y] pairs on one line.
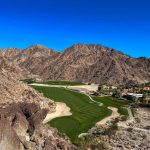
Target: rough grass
[[69, 83], [109, 101], [85, 114], [28, 81]]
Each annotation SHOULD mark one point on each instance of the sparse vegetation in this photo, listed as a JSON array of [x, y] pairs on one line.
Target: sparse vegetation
[[28, 81], [98, 137]]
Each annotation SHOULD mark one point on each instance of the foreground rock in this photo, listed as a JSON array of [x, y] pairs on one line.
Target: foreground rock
[[21, 128]]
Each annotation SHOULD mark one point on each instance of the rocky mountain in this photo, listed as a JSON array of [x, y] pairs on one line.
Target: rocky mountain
[[12, 67], [32, 59], [22, 111], [97, 64], [86, 63]]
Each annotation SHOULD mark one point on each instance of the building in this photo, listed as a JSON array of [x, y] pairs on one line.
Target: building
[[135, 95], [131, 96], [114, 87], [125, 91], [146, 88]]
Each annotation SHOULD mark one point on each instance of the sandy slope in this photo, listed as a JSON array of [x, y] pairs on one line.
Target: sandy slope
[[61, 110], [85, 88], [114, 114], [82, 88]]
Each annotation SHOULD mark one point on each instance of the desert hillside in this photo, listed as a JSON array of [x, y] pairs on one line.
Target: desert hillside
[[22, 111]]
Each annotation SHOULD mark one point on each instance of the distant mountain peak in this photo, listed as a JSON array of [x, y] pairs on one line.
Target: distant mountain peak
[[40, 46]]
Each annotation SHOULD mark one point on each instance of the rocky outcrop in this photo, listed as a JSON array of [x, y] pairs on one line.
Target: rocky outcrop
[[8, 137], [21, 128]]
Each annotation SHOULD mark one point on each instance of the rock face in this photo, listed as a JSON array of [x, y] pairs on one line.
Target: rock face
[[85, 63], [21, 128], [22, 111], [8, 137]]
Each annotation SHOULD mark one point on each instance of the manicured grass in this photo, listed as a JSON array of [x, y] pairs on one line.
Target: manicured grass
[[62, 83], [85, 114], [109, 101], [123, 111]]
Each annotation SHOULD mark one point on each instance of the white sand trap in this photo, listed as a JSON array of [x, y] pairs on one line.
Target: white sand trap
[[82, 88], [114, 115], [61, 110], [85, 88]]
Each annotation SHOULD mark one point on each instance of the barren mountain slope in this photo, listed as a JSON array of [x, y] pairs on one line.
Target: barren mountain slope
[[32, 59], [22, 111], [86, 63], [97, 64]]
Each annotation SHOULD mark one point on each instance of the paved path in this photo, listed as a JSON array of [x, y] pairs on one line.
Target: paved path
[[130, 112]]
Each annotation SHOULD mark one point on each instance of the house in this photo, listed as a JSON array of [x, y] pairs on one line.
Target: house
[[113, 87], [146, 88], [125, 91], [130, 96], [135, 95]]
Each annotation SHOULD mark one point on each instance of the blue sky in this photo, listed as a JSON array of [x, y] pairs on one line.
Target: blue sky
[[120, 24]]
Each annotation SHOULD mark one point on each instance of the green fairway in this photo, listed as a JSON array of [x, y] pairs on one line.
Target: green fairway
[[108, 101], [68, 83], [85, 114]]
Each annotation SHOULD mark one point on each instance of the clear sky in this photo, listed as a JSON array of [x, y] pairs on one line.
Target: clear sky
[[120, 24]]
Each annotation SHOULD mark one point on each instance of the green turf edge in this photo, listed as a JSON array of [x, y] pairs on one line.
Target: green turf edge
[[67, 83]]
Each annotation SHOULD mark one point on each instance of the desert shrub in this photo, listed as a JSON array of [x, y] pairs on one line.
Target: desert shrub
[[123, 118], [147, 127], [129, 129], [137, 120]]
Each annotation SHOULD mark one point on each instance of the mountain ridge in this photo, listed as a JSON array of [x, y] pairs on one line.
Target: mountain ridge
[[92, 63]]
